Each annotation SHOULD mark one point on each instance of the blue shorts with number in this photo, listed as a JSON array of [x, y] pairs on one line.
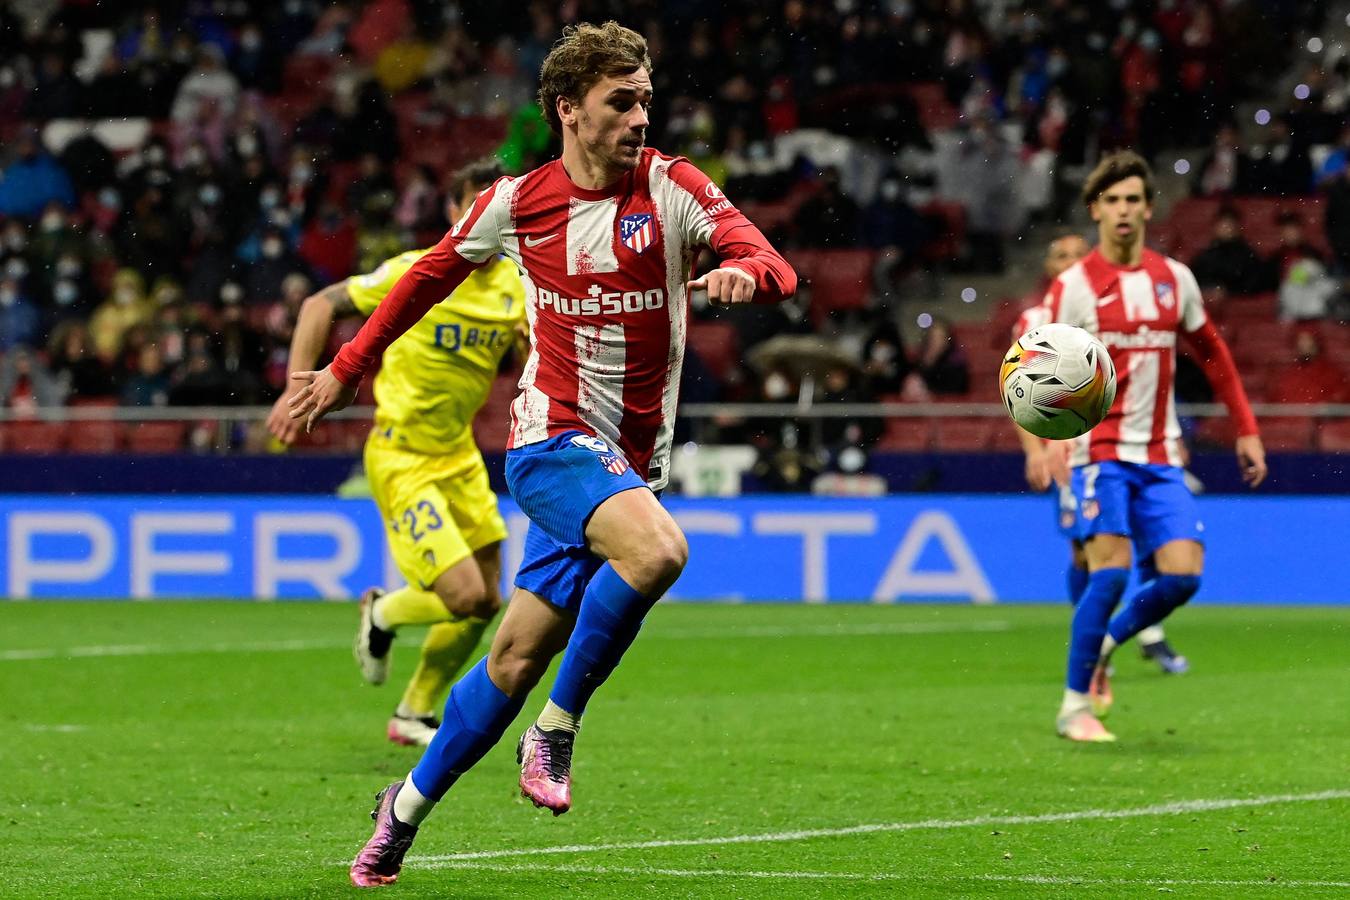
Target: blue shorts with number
[[558, 483], [1146, 502]]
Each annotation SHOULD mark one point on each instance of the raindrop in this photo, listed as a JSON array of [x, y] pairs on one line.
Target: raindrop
[[1301, 92], [1263, 117], [924, 320], [1181, 167], [968, 295], [1314, 45]]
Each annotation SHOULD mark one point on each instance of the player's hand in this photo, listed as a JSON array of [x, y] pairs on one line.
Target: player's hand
[[725, 285], [1040, 468], [280, 423], [1251, 456], [318, 393]]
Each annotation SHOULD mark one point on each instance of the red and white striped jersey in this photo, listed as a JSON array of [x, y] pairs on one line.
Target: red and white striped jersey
[[1137, 312], [604, 274], [1031, 317]]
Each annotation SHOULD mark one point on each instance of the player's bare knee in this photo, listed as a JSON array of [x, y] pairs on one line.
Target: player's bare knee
[[465, 594], [665, 556], [515, 670]]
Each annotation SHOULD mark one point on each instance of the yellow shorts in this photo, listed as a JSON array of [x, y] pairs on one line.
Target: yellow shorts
[[437, 509]]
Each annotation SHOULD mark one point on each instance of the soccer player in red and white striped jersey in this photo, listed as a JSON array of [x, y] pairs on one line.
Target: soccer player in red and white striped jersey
[[605, 238], [1127, 476], [1047, 461]]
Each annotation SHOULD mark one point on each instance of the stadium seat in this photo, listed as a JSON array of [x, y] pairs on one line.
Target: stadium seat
[[1279, 434], [156, 437], [94, 437], [840, 279], [964, 434], [717, 345], [907, 434], [35, 437], [1333, 436]]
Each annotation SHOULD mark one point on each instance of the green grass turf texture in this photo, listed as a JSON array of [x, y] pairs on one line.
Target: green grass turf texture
[[247, 771]]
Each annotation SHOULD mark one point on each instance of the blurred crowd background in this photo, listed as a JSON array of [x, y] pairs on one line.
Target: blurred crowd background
[[178, 176]]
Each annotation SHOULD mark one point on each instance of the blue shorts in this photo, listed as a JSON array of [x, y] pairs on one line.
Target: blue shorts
[[1148, 503], [558, 483]]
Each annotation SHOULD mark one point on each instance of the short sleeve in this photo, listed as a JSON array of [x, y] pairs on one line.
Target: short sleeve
[[477, 236], [369, 289]]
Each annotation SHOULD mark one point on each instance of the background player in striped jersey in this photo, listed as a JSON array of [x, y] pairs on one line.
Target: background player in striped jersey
[[1047, 464], [606, 238], [426, 474], [1127, 477]]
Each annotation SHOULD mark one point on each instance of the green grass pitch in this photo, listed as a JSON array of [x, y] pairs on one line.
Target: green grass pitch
[[230, 750]]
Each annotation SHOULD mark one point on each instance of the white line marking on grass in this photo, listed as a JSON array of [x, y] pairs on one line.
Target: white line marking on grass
[[643, 871], [769, 631], [1161, 809], [163, 650], [59, 729], [843, 630]]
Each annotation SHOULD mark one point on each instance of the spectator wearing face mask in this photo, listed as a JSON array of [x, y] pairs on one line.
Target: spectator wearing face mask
[[276, 260], [126, 308], [149, 384]]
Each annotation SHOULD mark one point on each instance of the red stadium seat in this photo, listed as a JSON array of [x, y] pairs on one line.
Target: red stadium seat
[[94, 437], [1333, 436], [35, 437], [156, 437], [717, 345], [964, 434], [908, 434]]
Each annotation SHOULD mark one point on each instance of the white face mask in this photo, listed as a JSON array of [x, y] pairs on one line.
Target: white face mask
[[272, 248], [125, 296], [8, 296], [776, 387], [65, 293]]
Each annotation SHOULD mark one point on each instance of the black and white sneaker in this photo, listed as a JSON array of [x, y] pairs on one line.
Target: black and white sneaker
[[373, 646], [412, 731]]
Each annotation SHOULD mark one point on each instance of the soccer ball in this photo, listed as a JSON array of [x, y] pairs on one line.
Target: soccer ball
[[1058, 381]]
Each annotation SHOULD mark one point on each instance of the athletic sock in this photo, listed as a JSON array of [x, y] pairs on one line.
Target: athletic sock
[[555, 718], [1078, 580], [445, 649], [408, 606], [611, 614], [410, 805], [1151, 604], [1090, 618], [477, 713], [1153, 634], [1074, 702]]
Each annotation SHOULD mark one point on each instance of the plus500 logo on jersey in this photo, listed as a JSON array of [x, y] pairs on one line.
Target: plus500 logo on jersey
[[601, 302]]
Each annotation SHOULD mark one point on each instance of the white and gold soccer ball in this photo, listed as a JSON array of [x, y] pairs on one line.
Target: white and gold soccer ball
[[1058, 381]]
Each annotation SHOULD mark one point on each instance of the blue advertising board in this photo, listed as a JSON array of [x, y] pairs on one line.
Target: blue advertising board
[[980, 549]]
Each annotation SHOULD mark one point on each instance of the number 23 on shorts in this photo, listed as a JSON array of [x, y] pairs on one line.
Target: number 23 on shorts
[[417, 520]]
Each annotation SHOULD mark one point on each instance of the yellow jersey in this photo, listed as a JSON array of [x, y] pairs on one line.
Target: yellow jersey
[[436, 376]]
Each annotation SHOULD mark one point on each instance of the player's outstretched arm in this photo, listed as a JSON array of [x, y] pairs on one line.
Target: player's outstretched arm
[[1215, 358], [312, 328]]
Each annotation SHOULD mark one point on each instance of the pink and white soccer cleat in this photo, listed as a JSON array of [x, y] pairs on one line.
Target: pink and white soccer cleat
[[1099, 691], [545, 759], [1083, 726], [381, 858]]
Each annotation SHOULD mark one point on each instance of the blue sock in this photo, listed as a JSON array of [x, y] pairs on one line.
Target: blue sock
[[611, 614], [1090, 616], [1151, 604], [477, 713], [1078, 582]]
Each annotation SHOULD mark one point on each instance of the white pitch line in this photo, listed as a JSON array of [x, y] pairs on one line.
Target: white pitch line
[[643, 871], [769, 631], [163, 650], [1161, 809]]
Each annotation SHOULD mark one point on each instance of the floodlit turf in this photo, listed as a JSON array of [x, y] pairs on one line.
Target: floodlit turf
[[230, 750]]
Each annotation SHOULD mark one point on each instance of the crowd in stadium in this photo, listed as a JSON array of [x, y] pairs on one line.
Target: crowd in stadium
[[247, 154]]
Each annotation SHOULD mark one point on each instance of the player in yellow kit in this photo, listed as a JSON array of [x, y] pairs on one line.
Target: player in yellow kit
[[426, 473]]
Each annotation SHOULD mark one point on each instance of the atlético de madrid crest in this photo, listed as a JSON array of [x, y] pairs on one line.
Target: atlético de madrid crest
[[637, 231]]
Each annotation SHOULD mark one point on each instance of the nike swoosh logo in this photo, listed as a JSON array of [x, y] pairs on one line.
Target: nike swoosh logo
[[535, 242], [1107, 300]]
